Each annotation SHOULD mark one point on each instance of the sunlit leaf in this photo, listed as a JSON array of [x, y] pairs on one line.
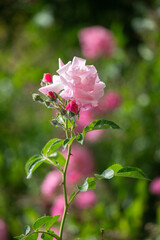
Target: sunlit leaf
[[41, 221], [96, 125], [33, 236], [89, 183], [32, 164], [51, 222], [52, 146], [27, 230], [107, 174], [57, 158]]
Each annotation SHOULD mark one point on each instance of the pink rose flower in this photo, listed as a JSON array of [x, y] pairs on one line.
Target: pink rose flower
[[50, 183], [58, 207], [155, 186], [85, 200], [47, 78], [110, 102], [3, 230], [72, 106], [79, 82], [96, 41]]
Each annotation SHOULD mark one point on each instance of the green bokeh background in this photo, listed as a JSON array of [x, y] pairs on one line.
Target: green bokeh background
[[33, 35]]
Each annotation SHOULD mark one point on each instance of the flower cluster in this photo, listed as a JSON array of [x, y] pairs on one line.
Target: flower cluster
[[75, 82]]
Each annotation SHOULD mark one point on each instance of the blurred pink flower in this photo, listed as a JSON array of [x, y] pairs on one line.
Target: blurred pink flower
[[93, 136], [85, 199], [155, 186], [79, 82], [96, 41], [81, 164], [58, 207], [50, 183], [47, 78], [110, 102], [3, 230]]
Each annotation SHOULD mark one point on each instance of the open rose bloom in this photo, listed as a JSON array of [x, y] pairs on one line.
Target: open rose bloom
[[78, 82]]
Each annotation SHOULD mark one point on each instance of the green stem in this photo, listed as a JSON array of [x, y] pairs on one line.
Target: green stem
[[64, 185]]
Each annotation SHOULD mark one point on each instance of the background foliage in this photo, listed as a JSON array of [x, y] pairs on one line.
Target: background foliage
[[33, 34]]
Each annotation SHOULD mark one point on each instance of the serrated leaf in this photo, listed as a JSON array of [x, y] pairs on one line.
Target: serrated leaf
[[107, 174], [41, 221], [32, 236], [88, 184], [32, 164], [20, 237], [52, 146], [96, 125], [51, 222], [131, 172], [27, 230], [57, 158]]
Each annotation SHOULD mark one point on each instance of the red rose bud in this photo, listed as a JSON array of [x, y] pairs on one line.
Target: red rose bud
[[47, 78], [51, 95], [72, 106]]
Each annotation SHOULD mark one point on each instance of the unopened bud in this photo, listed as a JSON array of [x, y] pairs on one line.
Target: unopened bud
[[51, 95], [47, 78], [36, 97], [72, 106]]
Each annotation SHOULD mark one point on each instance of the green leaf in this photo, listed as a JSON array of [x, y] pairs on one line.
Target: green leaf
[[41, 221], [72, 196], [68, 141], [96, 125], [88, 184], [32, 164], [51, 222], [115, 168], [20, 237], [107, 174], [27, 230], [46, 236], [58, 159], [131, 172], [33, 236], [52, 146]]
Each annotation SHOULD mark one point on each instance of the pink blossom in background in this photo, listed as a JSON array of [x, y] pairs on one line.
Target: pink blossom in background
[[3, 230], [58, 207], [81, 164], [79, 82], [110, 102], [154, 187], [96, 41], [95, 135], [85, 200], [50, 183]]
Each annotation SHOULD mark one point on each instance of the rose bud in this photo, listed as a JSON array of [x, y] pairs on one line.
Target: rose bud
[[47, 78], [72, 106], [51, 95], [36, 97]]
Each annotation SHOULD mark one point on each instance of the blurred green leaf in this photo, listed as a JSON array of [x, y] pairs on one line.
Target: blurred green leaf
[[27, 230], [33, 236], [48, 221], [51, 222]]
